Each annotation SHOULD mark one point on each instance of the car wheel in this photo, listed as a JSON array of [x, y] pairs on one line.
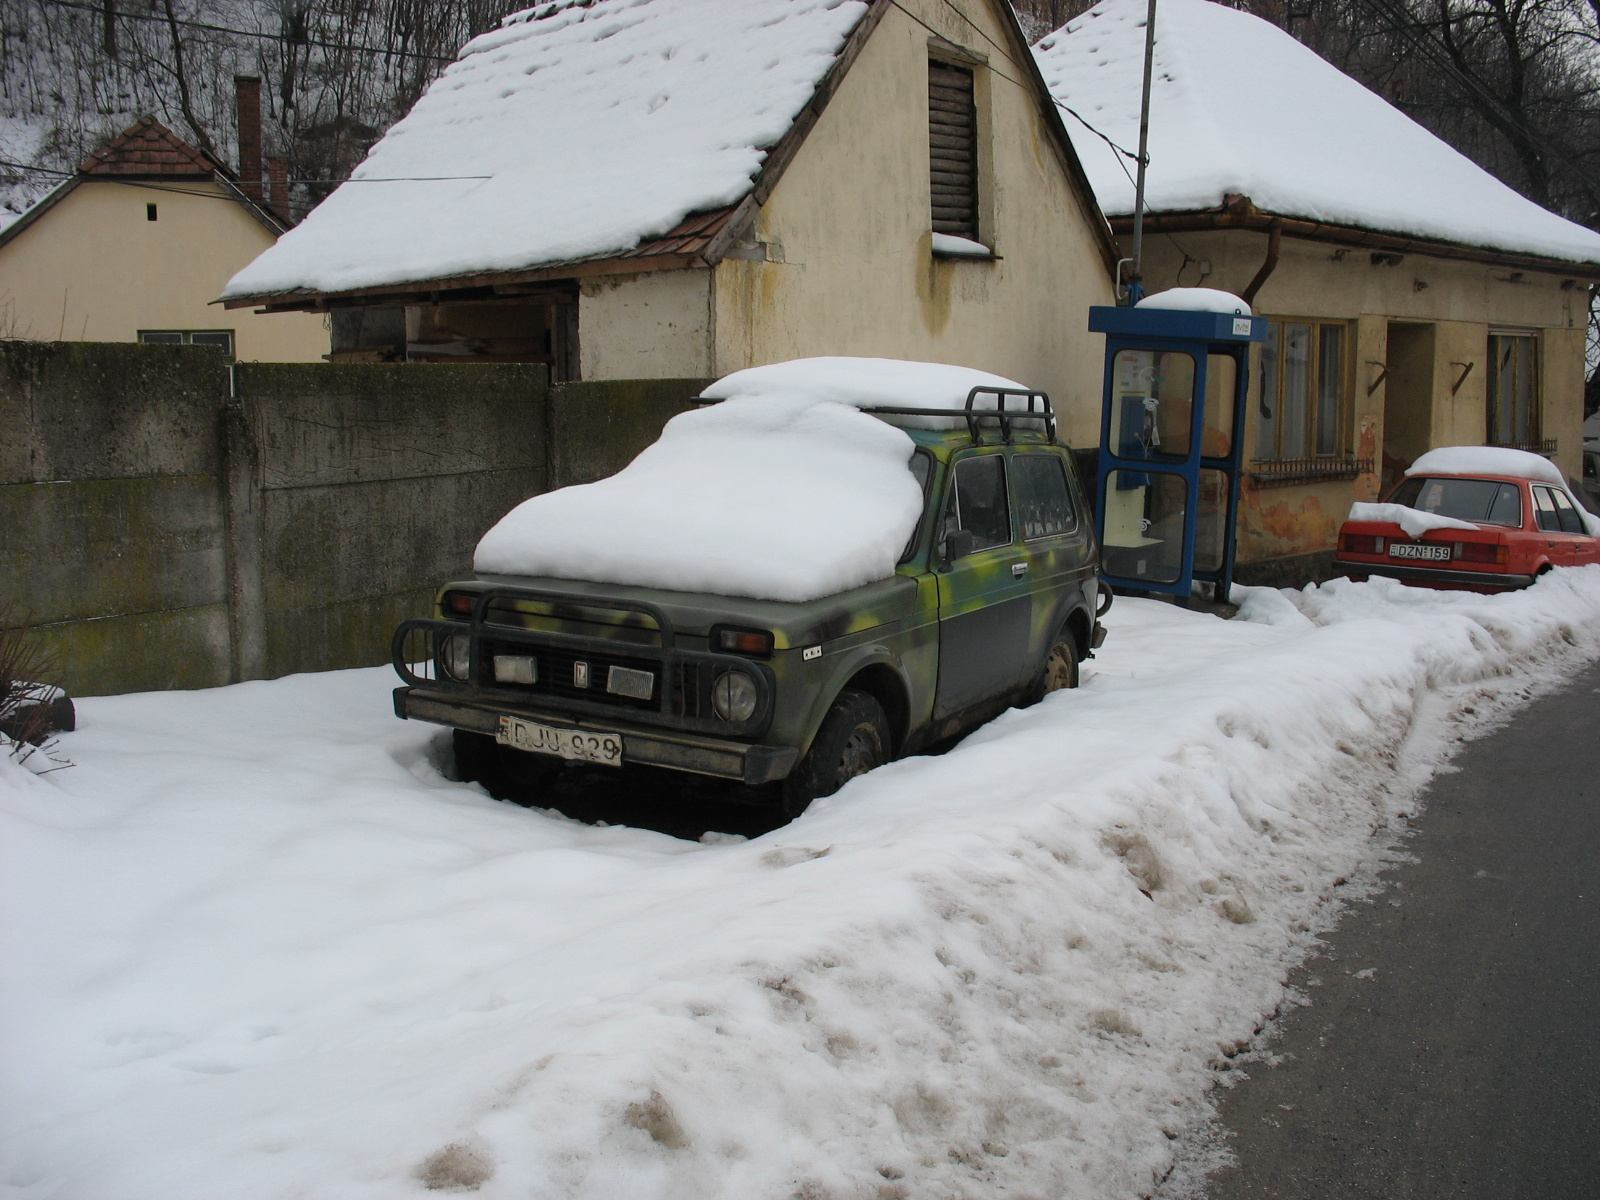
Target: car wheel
[[505, 773], [1060, 667], [852, 740]]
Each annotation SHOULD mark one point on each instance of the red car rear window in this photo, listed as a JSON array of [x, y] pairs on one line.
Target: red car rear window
[[1481, 501]]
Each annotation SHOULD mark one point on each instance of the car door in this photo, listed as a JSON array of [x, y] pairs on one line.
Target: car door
[[985, 601], [1054, 540], [1559, 522]]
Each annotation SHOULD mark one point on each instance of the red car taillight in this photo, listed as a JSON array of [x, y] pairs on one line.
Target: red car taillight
[[1484, 552], [1361, 543]]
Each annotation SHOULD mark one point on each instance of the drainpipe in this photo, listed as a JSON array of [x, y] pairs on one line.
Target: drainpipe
[[1268, 264]]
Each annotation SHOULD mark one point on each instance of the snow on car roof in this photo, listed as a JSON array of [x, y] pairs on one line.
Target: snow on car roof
[[1487, 460], [1239, 107], [866, 383], [782, 494], [571, 131]]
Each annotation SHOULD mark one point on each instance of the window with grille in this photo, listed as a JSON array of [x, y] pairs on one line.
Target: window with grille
[[1304, 392], [1513, 391], [953, 150]]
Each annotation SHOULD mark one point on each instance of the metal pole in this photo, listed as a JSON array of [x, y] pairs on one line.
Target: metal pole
[[1136, 283]]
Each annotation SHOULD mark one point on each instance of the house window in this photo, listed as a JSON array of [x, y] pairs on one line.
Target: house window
[[1513, 391], [221, 338], [952, 150], [1304, 393]]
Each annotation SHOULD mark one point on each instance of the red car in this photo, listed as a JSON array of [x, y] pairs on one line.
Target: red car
[[1481, 531]]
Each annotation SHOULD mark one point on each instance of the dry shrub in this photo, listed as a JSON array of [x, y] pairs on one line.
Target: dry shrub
[[26, 725]]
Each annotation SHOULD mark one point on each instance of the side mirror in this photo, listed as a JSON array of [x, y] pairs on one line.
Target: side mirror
[[958, 543]]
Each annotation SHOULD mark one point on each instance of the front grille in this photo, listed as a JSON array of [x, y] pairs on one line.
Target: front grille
[[555, 668]]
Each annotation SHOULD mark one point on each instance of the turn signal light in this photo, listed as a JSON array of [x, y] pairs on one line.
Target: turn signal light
[[1484, 552], [744, 641], [1361, 543], [458, 604]]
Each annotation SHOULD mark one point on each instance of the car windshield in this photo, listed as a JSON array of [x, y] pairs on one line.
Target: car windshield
[[1482, 501]]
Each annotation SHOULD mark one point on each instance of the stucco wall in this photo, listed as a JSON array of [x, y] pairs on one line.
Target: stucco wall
[[656, 325], [1447, 308], [853, 219], [94, 268]]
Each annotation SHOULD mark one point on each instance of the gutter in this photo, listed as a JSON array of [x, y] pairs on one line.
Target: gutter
[[1246, 216], [1268, 265]]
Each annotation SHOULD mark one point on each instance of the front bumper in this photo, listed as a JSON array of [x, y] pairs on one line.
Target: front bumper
[[1495, 579], [653, 747]]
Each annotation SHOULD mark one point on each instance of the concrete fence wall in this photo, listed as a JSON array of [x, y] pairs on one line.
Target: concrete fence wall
[[167, 523]]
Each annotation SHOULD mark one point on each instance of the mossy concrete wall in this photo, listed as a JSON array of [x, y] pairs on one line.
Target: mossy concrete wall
[[167, 523]]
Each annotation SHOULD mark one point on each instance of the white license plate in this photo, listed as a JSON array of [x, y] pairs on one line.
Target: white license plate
[[579, 745], [1420, 550]]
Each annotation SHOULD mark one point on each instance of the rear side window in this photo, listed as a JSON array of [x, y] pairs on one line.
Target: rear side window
[[978, 502], [1483, 501], [1566, 514], [1044, 505], [1544, 507]]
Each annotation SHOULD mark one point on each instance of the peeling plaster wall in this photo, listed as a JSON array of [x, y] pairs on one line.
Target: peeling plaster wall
[[1457, 301]]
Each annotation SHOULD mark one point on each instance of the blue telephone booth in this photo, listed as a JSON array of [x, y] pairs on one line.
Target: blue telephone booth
[[1171, 433]]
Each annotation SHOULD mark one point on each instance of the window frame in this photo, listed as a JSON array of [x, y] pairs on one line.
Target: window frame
[[1535, 390], [1315, 364], [187, 336]]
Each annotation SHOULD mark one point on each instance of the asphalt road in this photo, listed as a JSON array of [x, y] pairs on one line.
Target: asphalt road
[[1452, 1048]]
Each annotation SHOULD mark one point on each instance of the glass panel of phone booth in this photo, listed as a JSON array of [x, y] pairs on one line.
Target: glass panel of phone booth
[[1211, 521], [1222, 378], [1144, 526], [1153, 404]]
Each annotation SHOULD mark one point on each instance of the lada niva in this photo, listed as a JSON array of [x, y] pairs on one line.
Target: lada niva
[[993, 604]]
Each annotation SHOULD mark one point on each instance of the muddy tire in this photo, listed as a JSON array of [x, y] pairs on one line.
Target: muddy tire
[[1060, 668], [852, 740]]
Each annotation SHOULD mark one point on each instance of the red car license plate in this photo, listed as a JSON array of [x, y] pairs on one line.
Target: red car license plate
[[1428, 553]]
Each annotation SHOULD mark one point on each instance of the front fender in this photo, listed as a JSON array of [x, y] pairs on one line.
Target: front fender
[[842, 667]]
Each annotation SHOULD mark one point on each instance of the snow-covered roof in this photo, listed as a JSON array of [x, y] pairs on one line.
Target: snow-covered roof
[[1238, 107], [572, 131]]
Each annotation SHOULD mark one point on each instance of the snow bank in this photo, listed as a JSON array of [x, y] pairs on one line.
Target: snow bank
[[257, 946], [1413, 520], [571, 131], [1196, 300], [1238, 107], [779, 497], [1487, 460]]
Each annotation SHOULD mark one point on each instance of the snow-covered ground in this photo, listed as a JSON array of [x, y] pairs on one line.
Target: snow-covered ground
[[257, 946]]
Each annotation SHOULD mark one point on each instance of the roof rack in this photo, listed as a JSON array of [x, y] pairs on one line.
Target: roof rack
[[1000, 412]]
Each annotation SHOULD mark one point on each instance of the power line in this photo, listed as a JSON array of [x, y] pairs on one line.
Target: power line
[[100, 11]]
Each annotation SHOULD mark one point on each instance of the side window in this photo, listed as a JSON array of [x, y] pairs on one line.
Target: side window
[[1544, 507], [1507, 506], [1567, 515], [1044, 506], [977, 515]]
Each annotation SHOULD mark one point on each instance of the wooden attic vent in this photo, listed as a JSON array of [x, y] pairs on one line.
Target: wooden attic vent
[[952, 150]]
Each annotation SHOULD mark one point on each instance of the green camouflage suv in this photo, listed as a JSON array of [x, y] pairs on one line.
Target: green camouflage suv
[[993, 604]]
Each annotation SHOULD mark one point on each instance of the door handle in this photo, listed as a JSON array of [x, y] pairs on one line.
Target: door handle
[[1018, 569]]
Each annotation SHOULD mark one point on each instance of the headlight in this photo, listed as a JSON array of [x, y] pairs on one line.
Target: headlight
[[733, 697], [455, 656]]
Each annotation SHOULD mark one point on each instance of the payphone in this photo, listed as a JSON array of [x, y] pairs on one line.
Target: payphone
[[1171, 435]]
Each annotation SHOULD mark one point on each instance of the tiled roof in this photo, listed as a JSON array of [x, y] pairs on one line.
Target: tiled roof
[[149, 148]]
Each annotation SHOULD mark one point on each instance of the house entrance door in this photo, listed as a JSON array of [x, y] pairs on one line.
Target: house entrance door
[[1408, 400]]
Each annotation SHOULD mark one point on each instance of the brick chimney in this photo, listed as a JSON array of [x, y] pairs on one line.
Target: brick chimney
[[247, 94], [278, 187]]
